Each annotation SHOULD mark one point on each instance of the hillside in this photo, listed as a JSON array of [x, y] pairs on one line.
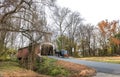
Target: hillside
[[13, 69], [48, 68]]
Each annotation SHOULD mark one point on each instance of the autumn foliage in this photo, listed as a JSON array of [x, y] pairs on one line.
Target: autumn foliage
[[102, 25], [115, 40], [109, 28]]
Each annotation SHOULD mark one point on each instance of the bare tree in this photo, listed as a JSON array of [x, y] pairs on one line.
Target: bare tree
[[81, 39], [73, 22], [89, 33], [59, 17], [7, 9], [84, 36], [23, 17]]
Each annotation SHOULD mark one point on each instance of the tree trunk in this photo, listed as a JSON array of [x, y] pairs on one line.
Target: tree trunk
[[31, 57]]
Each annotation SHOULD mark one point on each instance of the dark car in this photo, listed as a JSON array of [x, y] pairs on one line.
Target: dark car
[[62, 53]]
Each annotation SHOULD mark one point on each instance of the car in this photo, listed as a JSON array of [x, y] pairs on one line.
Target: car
[[63, 53]]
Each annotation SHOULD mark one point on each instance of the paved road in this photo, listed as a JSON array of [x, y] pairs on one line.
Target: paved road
[[108, 68], [105, 75]]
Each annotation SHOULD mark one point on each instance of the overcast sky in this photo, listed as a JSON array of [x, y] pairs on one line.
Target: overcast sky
[[94, 11]]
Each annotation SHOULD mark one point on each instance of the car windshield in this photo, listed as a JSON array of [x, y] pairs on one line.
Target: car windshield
[[64, 51]]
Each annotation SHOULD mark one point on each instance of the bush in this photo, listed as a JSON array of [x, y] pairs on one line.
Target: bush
[[49, 67], [76, 54]]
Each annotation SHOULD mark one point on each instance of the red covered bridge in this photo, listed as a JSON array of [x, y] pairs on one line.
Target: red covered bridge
[[43, 49]]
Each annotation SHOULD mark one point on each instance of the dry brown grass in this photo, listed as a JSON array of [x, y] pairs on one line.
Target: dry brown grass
[[77, 69], [21, 73], [113, 59]]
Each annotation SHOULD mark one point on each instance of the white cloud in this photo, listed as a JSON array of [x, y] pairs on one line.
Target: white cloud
[[94, 10]]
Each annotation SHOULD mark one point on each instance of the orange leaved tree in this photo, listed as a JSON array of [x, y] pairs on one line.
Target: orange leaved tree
[[108, 29]]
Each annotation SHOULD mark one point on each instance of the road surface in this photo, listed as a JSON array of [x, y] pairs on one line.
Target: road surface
[[108, 68]]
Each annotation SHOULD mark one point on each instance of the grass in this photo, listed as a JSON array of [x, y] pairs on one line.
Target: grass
[[9, 65], [114, 59], [13, 69]]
